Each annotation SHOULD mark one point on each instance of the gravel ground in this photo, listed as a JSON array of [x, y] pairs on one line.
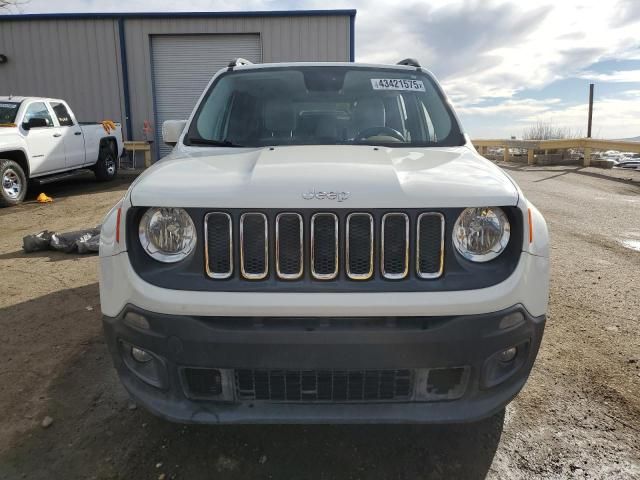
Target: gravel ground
[[578, 416]]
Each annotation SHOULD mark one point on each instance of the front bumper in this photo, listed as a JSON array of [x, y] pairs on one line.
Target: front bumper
[[294, 343]]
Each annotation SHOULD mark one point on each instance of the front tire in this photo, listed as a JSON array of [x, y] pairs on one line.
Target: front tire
[[13, 183], [107, 167]]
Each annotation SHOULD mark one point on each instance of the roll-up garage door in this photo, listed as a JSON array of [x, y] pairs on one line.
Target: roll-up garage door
[[183, 66]]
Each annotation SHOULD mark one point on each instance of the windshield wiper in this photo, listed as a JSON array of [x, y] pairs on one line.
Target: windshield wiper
[[214, 143]]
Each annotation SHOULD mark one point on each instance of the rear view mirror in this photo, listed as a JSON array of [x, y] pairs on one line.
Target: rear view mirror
[[35, 122], [171, 131]]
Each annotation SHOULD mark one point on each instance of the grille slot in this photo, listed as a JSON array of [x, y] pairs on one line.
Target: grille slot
[[324, 385], [324, 246], [254, 246], [359, 248], [430, 245], [219, 245], [289, 246], [395, 246]]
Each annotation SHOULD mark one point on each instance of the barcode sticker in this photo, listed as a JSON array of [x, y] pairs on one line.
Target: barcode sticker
[[397, 84]]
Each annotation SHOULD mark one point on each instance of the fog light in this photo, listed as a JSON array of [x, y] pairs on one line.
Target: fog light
[[140, 356], [508, 354]]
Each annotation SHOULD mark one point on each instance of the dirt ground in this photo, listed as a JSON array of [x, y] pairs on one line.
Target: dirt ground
[[578, 416]]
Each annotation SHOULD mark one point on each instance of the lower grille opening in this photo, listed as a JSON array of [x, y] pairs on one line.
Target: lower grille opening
[[203, 382], [324, 385], [446, 383]]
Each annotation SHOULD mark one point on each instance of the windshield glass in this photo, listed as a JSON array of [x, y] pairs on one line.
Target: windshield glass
[[8, 112], [324, 106]]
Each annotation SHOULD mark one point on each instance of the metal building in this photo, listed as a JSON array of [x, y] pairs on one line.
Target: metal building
[[143, 68]]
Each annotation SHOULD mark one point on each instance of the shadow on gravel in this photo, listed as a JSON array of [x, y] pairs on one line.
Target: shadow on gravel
[[53, 256], [95, 434]]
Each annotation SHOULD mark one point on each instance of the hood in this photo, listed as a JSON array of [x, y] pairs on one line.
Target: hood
[[334, 176]]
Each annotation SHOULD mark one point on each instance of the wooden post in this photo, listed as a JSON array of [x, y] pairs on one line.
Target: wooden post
[[531, 160], [506, 153], [483, 150], [147, 157], [587, 156]]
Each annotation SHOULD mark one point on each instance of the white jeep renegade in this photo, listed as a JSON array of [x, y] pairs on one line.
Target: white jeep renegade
[[323, 244]]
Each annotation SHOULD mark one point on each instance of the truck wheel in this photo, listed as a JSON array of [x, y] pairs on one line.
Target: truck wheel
[[106, 167], [14, 183]]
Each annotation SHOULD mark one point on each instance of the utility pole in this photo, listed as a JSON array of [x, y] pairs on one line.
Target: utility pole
[[590, 110], [587, 150]]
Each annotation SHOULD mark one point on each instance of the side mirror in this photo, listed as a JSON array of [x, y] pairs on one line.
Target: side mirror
[[35, 122], [171, 131]]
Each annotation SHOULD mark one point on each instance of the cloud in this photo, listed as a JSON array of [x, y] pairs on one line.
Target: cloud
[[629, 76], [517, 108], [613, 117], [628, 11]]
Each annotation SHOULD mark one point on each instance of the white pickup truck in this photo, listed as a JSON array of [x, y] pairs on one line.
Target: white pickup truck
[[41, 139], [323, 244]]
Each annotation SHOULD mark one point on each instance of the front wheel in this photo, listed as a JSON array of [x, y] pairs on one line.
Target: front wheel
[[106, 167], [14, 183]]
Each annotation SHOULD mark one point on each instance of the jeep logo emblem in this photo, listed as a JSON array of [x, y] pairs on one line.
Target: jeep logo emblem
[[321, 195]]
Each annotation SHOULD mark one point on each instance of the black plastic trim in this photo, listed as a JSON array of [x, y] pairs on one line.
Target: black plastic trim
[[459, 273]]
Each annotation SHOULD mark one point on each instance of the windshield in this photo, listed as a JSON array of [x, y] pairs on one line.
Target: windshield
[[324, 106], [8, 112]]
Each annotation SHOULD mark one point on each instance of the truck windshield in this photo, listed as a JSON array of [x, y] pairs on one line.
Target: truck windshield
[[8, 112], [328, 105]]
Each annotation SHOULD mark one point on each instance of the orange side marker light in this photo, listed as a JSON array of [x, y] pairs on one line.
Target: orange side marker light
[[530, 226], [118, 225]]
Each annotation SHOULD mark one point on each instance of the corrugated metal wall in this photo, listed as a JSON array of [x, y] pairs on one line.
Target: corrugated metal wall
[[290, 38], [78, 61]]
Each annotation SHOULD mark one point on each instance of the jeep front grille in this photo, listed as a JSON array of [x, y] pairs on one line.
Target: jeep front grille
[[324, 385], [324, 246]]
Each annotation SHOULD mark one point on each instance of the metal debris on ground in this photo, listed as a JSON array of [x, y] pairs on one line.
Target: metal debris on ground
[[81, 241]]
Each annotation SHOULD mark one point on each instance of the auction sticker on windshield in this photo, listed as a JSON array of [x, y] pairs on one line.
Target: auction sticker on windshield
[[397, 84]]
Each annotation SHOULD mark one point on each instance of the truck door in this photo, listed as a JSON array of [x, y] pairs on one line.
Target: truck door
[[45, 144], [71, 134]]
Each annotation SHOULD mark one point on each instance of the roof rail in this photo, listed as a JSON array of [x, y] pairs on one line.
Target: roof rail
[[238, 61], [410, 62]]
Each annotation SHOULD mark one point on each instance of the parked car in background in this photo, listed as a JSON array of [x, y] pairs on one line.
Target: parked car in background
[[628, 164], [41, 139], [323, 244]]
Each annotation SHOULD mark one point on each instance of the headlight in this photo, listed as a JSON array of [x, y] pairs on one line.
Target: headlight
[[481, 234], [167, 234]]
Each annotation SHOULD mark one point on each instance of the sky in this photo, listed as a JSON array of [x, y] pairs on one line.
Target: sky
[[505, 64]]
